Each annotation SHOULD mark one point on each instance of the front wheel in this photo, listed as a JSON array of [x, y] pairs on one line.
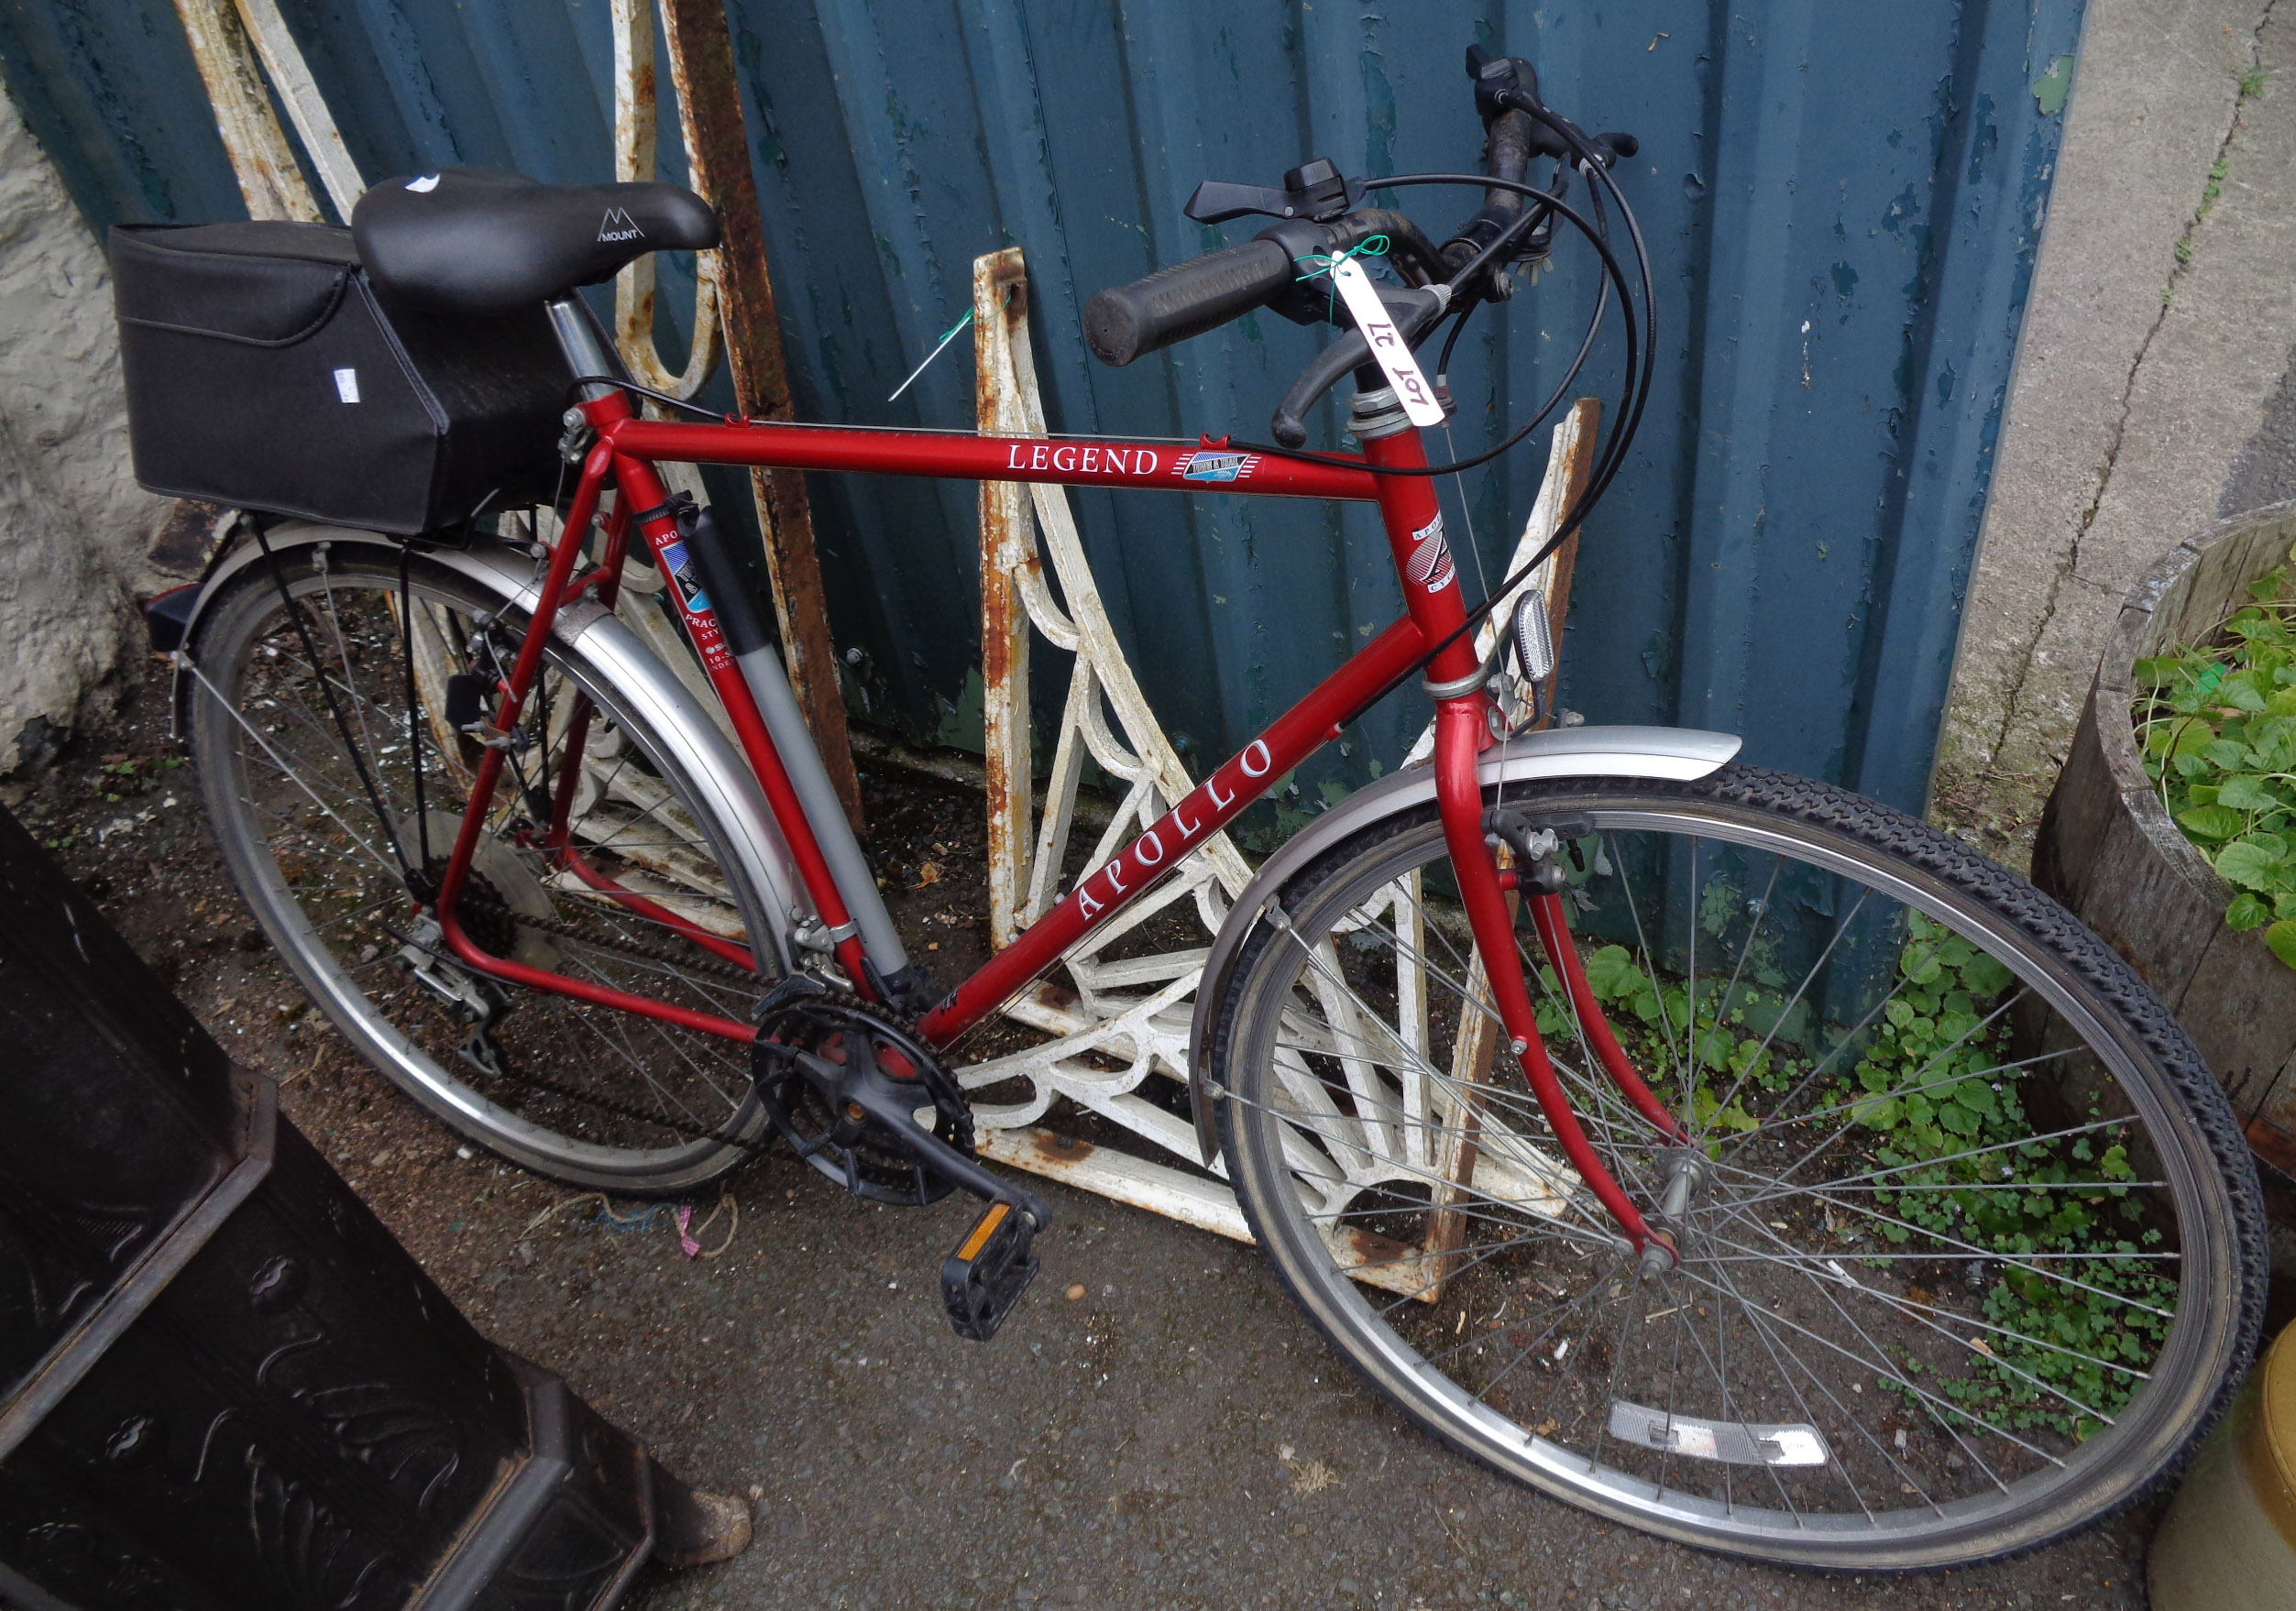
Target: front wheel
[[1971, 1250]]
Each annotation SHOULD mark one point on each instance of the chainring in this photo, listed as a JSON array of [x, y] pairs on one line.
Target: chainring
[[873, 1164]]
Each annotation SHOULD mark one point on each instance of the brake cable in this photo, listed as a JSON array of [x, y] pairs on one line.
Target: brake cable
[[1592, 165]]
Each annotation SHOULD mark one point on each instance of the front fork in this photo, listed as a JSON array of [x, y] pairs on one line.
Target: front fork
[[1431, 593], [1461, 734]]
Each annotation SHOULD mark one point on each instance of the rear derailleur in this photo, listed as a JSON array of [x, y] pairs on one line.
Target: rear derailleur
[[863, 1099], [480, 1002]]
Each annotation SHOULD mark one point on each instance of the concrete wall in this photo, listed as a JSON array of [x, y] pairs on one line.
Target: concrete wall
[[73, 526], [2154, 387]]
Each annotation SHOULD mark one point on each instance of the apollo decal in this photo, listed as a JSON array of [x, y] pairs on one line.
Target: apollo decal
[[1087, 459], [702, 626], [1136, 865], [1429, 563]]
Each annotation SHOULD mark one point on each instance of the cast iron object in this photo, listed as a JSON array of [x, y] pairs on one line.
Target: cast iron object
[[228, 1386], [115, 1167]]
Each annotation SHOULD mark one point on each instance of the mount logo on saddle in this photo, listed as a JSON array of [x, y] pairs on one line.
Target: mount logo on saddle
[[618, 224]]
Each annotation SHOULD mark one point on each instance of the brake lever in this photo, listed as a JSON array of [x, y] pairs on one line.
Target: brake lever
[[1416, 313], [1616, 146]]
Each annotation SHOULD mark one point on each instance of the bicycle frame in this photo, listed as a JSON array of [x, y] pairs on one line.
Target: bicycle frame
[[626, 452]]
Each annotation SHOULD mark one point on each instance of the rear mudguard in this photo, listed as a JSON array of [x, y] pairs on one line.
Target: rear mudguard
[[721, 779], [1679, 753]]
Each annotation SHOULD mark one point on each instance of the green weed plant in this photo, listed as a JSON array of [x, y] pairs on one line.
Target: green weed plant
[[1927, 1093], [2216, 725]]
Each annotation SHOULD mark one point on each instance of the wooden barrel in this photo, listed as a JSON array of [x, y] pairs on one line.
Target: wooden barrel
[[2109, 850]]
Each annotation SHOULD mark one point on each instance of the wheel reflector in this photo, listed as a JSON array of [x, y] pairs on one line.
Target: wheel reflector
[[1733, 1442]]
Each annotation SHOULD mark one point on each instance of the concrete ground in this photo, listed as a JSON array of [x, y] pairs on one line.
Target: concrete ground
[[1173, 1435]]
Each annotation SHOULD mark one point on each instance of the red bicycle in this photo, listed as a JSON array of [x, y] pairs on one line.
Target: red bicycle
[[1732, 1156]]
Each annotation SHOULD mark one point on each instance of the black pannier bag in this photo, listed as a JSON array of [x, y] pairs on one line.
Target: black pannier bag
[[264, 372]]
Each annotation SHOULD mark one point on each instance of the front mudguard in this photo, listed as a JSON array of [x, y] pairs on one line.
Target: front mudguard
[[1677, 753]]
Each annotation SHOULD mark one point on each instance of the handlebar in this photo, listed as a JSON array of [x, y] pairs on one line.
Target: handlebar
[[1319, 221], [1127, 321], [1511, 138]]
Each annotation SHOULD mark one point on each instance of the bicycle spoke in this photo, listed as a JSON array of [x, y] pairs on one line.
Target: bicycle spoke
[[1895, 1290]]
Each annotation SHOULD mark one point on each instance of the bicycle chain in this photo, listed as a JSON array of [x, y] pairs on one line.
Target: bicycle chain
[[627, 1110], [492, 903]]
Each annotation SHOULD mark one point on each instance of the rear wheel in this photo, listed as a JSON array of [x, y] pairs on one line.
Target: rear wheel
[[1970, 1244], [585, 1094]]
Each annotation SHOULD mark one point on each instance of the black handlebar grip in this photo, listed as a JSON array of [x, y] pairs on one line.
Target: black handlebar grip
[[1127, 321]]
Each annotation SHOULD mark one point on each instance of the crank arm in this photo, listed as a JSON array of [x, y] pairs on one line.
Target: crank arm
[[985, 1275], [887, 1104]]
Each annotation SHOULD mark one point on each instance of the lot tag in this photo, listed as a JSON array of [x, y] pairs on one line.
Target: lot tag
[[1387, 342]]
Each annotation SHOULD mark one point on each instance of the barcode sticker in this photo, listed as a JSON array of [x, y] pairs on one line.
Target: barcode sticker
[[1387, 342]]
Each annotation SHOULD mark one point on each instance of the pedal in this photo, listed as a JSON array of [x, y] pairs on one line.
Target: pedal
[[982, 1280]]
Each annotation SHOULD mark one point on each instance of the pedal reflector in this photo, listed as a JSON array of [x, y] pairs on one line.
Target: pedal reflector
[[982, 1280]]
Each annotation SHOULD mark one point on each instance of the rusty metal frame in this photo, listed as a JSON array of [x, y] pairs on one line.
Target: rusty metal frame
[[718, 154], [636, 115], [1126, 1020], [271, 181], [236, 43]]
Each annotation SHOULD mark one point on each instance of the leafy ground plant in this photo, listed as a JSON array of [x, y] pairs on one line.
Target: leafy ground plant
[[2216, 725], [1931, 1090]]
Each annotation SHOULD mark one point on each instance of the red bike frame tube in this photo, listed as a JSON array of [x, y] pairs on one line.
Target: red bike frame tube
[[523, 671], [1546, 917], [558, 838], [1159, 466], [654, 911], [640, 486], [1459, 732]]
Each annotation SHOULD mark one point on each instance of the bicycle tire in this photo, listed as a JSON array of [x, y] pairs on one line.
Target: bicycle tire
[[292, 817], [1999, 1444]]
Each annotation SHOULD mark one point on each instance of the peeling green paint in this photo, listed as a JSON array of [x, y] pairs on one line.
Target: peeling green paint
[[964, 725], [2053, 87]]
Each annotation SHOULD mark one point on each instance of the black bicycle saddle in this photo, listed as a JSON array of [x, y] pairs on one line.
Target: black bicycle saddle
[[484, 240]]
